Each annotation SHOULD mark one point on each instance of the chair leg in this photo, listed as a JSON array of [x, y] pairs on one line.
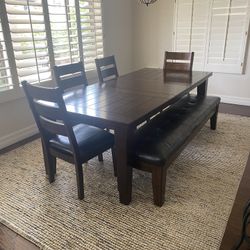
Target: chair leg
[[79, 180], [114, 161], [100, 157], [50, 165], [45, 158], [213, 119], [159, 176]]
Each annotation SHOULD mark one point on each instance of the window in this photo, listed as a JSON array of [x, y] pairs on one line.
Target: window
[[37, 34], [216, 30]]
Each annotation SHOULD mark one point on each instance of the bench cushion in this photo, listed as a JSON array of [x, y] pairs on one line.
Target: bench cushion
[[166, 133]]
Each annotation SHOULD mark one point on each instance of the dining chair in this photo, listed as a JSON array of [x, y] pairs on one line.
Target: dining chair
[[178, 61], [70, 75], [62, 139], [106, 68]]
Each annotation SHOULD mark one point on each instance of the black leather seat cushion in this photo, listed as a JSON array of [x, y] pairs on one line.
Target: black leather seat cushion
[[91, 141], [157, 140]]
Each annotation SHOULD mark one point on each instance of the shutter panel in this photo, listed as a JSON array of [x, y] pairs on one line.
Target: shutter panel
[[183, 25], [229, 26], [62, 14], [192, 17], [91, 31], [5, 75], [199, 35], [26, 23]]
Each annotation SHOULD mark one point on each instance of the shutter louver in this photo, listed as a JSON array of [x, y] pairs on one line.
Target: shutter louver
[[63, 23], [5, 74], [26, 23], [91, 31]]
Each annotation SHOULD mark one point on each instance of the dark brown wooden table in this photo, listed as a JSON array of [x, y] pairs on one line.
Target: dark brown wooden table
[[124, 103]]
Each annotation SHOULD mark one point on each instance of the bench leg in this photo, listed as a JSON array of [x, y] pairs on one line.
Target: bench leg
[[100, 157], [159, 175], [213, 119]]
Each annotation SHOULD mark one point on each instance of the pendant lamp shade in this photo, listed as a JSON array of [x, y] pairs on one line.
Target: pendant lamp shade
[[147, 2]]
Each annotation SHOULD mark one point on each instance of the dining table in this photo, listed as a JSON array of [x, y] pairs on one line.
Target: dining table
[[122, 104]]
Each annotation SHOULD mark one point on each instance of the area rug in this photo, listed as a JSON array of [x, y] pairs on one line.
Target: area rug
[[201, 187]]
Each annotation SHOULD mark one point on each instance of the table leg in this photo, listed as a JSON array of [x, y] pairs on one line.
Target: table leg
[[124, 171], [202, 89]]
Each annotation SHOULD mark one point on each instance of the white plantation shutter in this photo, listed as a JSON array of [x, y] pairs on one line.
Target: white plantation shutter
[[5, 74], [228, 35], [35, 35], [91, 31], [27, 29], [216, 30], [63, 23]]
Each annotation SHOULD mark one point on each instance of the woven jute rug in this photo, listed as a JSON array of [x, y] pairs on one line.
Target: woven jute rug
[[201, 187]]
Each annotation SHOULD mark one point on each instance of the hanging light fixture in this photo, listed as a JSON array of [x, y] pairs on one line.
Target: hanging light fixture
[[147, 2]]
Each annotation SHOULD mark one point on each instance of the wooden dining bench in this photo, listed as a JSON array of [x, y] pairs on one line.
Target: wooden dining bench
[[161, 140]]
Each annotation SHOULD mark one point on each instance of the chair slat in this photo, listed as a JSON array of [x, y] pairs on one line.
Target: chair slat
[[48, 110], [70, 75], [179, 55], [108, 73], [106, 67], [43, 93], [53, 127], [109, 60], [69, 68], [180, 61], [178, 66], [71, 82]]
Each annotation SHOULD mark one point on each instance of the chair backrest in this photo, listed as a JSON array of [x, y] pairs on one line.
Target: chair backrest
[[70, 75], [106, 68], [49, 111], [177, 76], [178, 61]]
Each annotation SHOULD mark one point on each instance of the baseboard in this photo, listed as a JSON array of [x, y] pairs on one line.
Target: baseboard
[[234, 100], [17, 136]]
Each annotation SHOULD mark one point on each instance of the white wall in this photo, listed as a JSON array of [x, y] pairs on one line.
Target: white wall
[[117, 27], [153, 27], [152, 32], [16, 119]]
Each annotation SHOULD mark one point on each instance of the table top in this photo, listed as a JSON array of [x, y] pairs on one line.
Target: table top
[[134, 97]]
